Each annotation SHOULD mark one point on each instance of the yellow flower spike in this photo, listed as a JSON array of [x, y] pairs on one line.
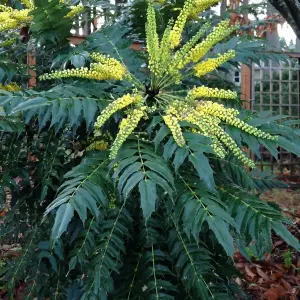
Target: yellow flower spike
[[216, 144], [98, 145], [6, 8], [222, 30], [108, 62], [7, 43], [190, 8], [175, 34], [13, 18], [226, 139], [206, 92], [11, 87], [172, 123], [218, 148], [127, 126], [212, 64], [152, 39], [28, 3], [116, 105], [165, 56], [5, 17], [107, 72], [108, 69], [101, 58], [12, 24], [21, 15], [201, 5], [75, 10], [209, 126], [178, 62], [228, 115]]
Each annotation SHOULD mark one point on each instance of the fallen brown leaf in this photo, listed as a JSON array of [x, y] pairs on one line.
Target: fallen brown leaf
[[249, 272], [287, 286], [262, 274], [275, 292], [278, 243]]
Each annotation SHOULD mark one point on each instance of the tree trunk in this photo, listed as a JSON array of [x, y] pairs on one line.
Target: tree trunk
[[290, 10]]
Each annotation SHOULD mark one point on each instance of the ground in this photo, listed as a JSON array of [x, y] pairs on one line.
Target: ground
[[278, 276]]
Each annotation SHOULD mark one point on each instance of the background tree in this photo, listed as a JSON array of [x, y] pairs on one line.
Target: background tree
[[290, 10]]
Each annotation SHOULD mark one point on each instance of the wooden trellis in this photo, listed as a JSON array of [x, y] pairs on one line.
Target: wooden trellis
[[275, 87]]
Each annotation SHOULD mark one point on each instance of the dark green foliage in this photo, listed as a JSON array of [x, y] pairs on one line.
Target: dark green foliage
[[49, 23]]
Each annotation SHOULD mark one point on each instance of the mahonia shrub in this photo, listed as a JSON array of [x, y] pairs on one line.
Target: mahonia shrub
[[158, 204]]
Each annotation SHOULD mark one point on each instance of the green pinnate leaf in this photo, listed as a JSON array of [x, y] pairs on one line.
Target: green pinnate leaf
[[222, 233], [63, 217], [282, 231], [148, 195], [204, 170]]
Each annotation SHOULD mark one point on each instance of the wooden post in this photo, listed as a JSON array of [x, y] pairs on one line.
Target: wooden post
[[246, 93], [76, 39], [246, 86], [31, 62]]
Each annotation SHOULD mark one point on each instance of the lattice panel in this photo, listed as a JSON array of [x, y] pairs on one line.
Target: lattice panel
[[275, 88]]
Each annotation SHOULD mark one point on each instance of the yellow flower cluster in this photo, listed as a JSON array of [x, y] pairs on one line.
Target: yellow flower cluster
[[7, 43], [75, 10], [216, 144], [190, 8], [172, 122], [107, 69], [98, 145], [13, 18], [28, 3], [206, 92], [183, 52], [116, 105], [152, 40], [11, 87], [213, 63], [208, 124], [127, 126], [109, 63], [227, 140], [175, 34], [4, 8], [222, 30], [218, 147], [201, 5], [164, 51], [228, 115]]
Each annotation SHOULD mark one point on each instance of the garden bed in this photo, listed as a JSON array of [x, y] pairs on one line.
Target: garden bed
[[277, 277]]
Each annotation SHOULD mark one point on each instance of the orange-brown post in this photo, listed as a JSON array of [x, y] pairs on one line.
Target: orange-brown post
[[137, 46], [246, 84], [246, 80], [76, 39], [31, 62]]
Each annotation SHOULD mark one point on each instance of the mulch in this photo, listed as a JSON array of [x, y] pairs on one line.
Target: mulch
[[278, 276]]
